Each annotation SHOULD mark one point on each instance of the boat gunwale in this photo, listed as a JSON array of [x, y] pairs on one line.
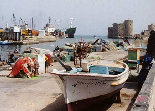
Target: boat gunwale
[[94, 74]]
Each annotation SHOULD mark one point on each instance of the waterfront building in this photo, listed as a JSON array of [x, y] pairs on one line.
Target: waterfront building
[[15, 33], [121, 30], [1, 33]]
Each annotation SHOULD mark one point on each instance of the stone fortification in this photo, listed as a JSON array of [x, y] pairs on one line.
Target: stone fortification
[[121, 30], [146, 33]]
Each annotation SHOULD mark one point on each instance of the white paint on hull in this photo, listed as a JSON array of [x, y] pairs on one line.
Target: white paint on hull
[[80, 86], [88, 87]]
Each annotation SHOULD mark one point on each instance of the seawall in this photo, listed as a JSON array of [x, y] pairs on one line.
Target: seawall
[[35, 40], [145, 100]]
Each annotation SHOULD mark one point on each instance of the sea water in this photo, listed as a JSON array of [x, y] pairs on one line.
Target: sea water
[[5, 50]]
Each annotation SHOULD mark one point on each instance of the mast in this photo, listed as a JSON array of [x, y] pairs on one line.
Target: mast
[[32, 23], [71, 22], [49, 20], [6, 24], [57, 22], [14, 20]]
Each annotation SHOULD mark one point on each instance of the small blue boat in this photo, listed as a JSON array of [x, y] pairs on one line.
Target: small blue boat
[[5, 42]]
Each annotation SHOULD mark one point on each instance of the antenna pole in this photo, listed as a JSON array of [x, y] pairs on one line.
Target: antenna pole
[[49, 20], [32, 23], [57, 22], [71, 22]]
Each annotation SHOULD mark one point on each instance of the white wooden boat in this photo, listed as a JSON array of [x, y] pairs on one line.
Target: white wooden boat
[[85, 88]]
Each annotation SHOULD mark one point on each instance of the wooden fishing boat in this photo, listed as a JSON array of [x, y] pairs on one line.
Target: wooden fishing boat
[[91, 83]]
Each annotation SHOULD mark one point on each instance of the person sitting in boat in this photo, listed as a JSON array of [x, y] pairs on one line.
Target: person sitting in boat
[[11, 58], [126, 41], [57, 48], [27, 50], [136, 38], [4, 62], [15, 51], [26, 64]]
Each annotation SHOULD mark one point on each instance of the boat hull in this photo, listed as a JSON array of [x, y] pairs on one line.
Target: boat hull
[[81, 90], [86, 103], [5, 43], [71, 32], [70, 36]]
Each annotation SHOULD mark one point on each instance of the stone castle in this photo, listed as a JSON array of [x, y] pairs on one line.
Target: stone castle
[[121, 30], [146, 33]]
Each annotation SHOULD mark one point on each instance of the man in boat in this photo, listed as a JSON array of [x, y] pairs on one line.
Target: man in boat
[[15, 51], [24, 64]]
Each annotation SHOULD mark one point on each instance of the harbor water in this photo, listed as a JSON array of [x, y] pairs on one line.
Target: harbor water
[[5, 50]]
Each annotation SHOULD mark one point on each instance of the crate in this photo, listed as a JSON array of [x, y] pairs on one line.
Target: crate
[[133, 57], [99, 69]]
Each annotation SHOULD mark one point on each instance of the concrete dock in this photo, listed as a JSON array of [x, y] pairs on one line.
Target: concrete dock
[[44, 94], [35, 40]]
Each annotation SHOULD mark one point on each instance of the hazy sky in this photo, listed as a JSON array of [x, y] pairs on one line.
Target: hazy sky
[[91, 17]]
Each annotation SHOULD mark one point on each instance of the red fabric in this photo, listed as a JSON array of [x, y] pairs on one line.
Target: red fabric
[[21, 64], [49, 58]]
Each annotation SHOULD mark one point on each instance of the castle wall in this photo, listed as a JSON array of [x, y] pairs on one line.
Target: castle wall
[[121, 30], [110, 31], [151, 27], [115, 30], [128, 27]]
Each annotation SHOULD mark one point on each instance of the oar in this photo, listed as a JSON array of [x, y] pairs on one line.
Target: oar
[[68, 68]]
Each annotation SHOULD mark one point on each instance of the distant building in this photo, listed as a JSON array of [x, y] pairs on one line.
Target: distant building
[[121, 30], [15, 33], [146, 33], [151, 27]]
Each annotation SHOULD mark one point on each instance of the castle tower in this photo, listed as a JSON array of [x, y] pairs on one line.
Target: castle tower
[[110, 31], [151, 27], [115, 30], [120, 30], [128, 27]]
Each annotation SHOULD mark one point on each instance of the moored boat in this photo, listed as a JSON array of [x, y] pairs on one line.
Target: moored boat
[[5, 42], [97, 81], [70, 31]]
